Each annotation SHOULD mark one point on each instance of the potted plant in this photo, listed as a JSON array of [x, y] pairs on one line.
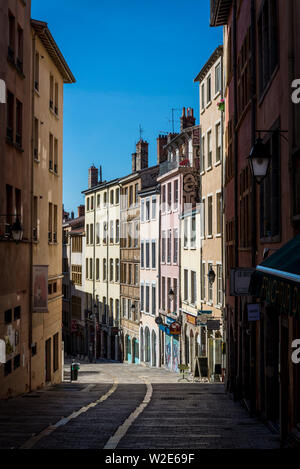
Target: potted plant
[[221, 105]]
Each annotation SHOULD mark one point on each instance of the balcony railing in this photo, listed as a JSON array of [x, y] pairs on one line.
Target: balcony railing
[[167, 166]]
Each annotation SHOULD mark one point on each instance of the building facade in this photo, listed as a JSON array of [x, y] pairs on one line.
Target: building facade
[[262, 60], [102, 265], [210, 80]]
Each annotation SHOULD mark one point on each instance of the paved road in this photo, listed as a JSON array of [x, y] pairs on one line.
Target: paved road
[[129, 407]]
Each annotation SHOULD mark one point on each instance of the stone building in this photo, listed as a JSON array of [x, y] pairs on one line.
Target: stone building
[[210, 79], [102, 264], [261, 58]]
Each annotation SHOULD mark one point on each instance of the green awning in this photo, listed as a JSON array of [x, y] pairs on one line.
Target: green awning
[[277, 279]]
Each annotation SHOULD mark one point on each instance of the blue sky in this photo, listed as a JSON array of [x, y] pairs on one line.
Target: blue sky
[[133, 61]]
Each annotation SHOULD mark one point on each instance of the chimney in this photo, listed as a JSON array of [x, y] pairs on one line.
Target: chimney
[[81, 211], [187, 119], [162, 154], [100, 174], [93, 176], [72, 215], [133, 162], [141, 155]]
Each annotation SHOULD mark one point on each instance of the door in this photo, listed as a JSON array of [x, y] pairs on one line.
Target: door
[[48, 360]]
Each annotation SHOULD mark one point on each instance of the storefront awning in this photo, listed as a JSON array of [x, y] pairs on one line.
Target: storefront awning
[[277, 279]]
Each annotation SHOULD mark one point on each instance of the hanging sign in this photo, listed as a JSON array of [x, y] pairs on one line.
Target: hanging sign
[[253, 312], [175, 328]]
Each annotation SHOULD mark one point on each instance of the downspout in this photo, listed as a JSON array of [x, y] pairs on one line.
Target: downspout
[[94, 277], [223, 205], [159, 275], [31, 219], [107, 268]]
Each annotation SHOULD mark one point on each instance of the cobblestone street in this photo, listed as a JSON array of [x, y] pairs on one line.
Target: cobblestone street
[[129, 407]]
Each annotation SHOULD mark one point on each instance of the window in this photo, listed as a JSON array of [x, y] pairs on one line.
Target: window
[[153, 310], [111, 232], [17, 362], [91, 269], [185, 233], [202, 155], [97, 269], [154, 207], [19, 123], [87, 230], [245, 207], [218, 78], [193, 231], [98, 200], [203, 280], [163, 247], [87, 203], [176, 194], [175, 295], [130, 196], [76, 272], [193, 287], [91, 233], [268, 42], [129, 274], [104, 232], [11, 36], [169, 196], [136, 274], [147, 255], [17, 313], [56, 99], [153, 254], [111, 270], [51, 153], [168, 289], [129, 227], [136, 195], [86, 268], [202, 97], [218, 143], [208, 89], [147, 209], [163, 198], [136, 234], [243, 74], [117, 309], [117, 231], [105, 199], [97, 233], [117, 196], [104, 269], [111, 197], [163, 293], [92, 202], [51, 104], [186, 285], [142, 255], [169, 246], [142, 297], [210, 285], [219, 285], [219, 212], [55, 352], [10, 117], [36, 139], [117, 270], [7, 367], [270, 193], [147, 306], [50, 234], [142, 210], [209, 215], [209, 150], [175, 246]]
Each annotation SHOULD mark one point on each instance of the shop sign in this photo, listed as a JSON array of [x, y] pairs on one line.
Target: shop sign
[[170, 320], [253, 312], [164, 329], [175, 328], [283, 294], [240, 281], [191, 319], [213, 324]]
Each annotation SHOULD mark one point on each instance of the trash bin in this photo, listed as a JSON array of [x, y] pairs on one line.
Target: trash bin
[[74, 370]]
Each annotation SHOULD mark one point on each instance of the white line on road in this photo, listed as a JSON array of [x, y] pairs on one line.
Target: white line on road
[[32, 441], [114, 440]]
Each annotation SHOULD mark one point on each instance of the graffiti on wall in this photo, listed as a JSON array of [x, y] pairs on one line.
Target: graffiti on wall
[[191, 188], [168, 351], [175, 354]]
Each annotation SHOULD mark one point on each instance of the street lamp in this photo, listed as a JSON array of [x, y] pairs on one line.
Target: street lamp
[[259, 160], [211, 275], [17, 231]]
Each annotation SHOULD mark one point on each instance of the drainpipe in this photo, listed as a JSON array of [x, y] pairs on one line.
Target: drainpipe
[[159, 275], [94, 277], [223, 205], [107, 271]]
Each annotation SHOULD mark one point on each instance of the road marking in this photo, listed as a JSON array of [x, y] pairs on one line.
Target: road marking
[[114, 440], [32, 441]]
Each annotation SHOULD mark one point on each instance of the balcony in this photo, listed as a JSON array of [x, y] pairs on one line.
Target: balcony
[[54, 238], [49, 236], [50, 165], [219, 11], [167, 166]]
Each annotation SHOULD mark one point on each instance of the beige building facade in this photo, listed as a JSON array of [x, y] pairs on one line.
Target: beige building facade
[[210, 81]]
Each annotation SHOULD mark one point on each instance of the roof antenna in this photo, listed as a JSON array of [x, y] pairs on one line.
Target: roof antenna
[[141, 132], [101, 174]]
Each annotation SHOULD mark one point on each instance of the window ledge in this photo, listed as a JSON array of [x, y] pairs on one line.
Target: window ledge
[[217, 163], [218, 235], [209, 236], [208, 104], [209, 168]]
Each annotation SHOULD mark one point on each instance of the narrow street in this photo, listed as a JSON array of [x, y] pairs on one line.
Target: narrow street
[[119, 406]]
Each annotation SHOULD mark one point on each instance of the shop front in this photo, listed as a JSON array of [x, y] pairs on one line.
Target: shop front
[[276, 285], [171, 341]]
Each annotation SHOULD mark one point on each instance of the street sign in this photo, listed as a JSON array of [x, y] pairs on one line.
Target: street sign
[[253, 312]]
